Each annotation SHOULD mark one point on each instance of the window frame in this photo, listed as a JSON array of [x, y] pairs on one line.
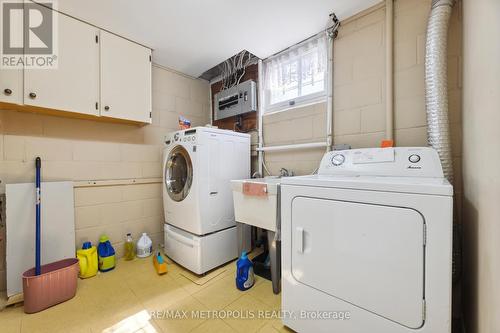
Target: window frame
[[300, 100]]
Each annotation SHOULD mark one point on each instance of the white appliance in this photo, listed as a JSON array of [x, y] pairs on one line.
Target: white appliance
[[367, 244], [198, 164]]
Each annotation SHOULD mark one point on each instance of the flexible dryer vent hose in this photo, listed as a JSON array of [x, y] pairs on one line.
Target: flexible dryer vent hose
[[436, 85]]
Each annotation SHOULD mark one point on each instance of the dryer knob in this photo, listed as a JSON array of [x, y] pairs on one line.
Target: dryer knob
[[338, 159], [414, 158]]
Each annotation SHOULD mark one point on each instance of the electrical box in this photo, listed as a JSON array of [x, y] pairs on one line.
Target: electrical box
[[236, 100]]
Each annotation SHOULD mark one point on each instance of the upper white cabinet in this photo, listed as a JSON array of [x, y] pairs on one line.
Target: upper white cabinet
[[125, 79], [98, 74], [74, 85]]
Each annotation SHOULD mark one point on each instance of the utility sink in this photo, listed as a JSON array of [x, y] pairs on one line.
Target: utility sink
[[256, 201]]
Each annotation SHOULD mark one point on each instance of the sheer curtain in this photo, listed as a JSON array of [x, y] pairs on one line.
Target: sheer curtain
[[296, 73]]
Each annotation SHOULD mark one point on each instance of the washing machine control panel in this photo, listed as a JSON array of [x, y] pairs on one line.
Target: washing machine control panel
[[185, 136], [399, 161]]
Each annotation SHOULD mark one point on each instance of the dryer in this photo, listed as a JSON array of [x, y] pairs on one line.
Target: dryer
[[367, 244], [198, 164]]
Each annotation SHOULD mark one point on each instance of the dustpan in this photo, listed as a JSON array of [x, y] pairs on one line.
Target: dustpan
[[50, 284]]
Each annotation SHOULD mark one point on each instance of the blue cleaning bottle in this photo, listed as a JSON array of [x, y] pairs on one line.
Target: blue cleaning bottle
[[106, 254], [244, 273]]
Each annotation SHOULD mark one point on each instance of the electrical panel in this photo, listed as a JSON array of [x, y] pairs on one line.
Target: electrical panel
[[236, 100]]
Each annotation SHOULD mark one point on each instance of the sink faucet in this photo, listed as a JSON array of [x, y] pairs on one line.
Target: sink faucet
[[256, 174], [285, 173]]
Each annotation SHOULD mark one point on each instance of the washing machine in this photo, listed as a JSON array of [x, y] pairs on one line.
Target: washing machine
[[367, 244], [198, 164]]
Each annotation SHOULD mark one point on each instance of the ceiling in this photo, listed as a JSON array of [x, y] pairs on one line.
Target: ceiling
[[192, 36]]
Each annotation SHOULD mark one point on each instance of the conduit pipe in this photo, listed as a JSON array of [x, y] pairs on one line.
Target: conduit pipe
[[389, 73], [329, 101], [296, 146], [260, 114], [436, 83]]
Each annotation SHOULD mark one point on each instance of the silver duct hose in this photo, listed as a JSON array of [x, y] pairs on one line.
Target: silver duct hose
[[436, 103], [436, 83]]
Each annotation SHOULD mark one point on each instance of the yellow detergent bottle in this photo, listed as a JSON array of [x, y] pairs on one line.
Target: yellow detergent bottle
[[87, 257]]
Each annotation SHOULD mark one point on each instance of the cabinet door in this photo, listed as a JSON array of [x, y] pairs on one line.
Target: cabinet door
[[11, 86], [11, 80], [74, 85], [125, 79]]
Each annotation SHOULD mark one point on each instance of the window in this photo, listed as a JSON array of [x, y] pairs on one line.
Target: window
[[296, 76]]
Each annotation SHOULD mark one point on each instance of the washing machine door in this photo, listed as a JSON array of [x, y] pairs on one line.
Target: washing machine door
[[178, 173]]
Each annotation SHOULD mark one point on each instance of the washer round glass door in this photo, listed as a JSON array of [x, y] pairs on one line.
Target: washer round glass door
[[178, 173]]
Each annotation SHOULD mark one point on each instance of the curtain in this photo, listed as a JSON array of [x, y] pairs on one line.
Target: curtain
[[286, 72]]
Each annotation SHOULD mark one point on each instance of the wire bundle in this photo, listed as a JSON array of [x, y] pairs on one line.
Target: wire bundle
[[233, 69]]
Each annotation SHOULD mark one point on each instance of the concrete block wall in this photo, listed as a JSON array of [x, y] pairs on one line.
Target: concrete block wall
[[118, 210], [359, 90], [82, 150], [299, 125]]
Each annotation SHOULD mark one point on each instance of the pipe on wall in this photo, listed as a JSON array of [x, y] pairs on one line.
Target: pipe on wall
[[389, 72], [260, 111], [436, 83], [295, 146], [329, 102]]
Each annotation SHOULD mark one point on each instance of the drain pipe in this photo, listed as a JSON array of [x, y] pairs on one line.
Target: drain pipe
[[436, 83], [389, 73]]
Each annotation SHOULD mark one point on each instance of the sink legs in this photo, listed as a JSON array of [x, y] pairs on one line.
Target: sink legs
[[275, 258]]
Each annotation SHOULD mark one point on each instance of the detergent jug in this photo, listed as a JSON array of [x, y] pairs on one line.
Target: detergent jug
[[144, 246], [244, 273], [87, 258], [106, 254]]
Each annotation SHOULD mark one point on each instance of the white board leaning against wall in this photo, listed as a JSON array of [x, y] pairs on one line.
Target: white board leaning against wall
[[57, 228]]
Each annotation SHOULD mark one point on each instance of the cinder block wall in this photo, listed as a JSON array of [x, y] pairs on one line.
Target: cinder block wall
[[359, 90], [117, 210], [82, 150]]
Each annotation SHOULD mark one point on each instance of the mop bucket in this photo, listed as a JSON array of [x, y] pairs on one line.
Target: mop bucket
[[55, 284], [50, 284]]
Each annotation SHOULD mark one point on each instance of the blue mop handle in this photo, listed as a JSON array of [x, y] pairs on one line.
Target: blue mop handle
[[38, 164]]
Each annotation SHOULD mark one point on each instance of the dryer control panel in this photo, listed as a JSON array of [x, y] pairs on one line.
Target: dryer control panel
[[395, 162]]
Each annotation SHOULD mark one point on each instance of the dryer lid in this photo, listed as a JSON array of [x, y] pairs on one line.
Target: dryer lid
[[432, 186]]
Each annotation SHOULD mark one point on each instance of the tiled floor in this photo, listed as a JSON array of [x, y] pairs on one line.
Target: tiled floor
[[124, 299]]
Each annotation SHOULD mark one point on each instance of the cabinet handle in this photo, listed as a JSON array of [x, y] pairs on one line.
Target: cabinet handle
[[32, 95], [106, 108], [7, 92]]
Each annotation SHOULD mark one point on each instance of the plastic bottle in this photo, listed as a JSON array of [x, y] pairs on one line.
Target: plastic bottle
[[129, 248], [106, 254], [244, 273], [87, 258], [144, 246]]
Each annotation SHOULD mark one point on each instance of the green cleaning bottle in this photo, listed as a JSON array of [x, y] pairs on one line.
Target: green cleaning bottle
[[129, 248]]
